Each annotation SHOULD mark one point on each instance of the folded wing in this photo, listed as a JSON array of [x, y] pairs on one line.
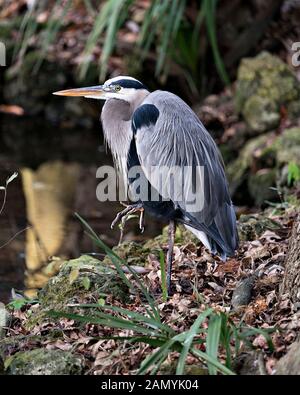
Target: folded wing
[[181, 161]]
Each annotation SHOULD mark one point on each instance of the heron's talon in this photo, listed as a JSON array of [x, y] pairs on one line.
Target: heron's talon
[[130, 209]]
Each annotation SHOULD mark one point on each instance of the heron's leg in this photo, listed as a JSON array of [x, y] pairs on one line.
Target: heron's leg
[[130, 209], [142, 221], [171, 239]]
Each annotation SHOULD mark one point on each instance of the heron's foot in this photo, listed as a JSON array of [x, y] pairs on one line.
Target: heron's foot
[[123, 215]]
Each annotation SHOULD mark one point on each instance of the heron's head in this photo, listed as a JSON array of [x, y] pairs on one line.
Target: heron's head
[[122, 87]]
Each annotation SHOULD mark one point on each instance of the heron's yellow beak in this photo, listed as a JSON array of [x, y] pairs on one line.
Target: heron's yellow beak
[[91, 91]]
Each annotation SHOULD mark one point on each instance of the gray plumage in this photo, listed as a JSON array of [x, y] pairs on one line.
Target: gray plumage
[[160, 130], [177, 138]]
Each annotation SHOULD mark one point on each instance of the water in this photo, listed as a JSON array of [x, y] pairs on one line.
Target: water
[[57, 177]]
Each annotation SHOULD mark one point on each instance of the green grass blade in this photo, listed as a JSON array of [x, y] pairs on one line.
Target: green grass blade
[[27, 29], [104, 320], [213, 339], [132, 315], [151, 341], [189, 340], [159, 355], [209, 360], [209, 12], [172, 23], [225, 338], [99, 26], [114, 22], [117, 262], [257, 331], [167, 32], [154, 18], [50, 33], [197, 27], [89, 7]]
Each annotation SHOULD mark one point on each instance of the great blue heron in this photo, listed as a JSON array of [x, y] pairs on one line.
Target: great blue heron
[[159, 130]]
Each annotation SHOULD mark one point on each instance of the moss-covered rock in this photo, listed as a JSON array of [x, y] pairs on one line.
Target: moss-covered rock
[[262, 164], [79, 281], [261, 185], [290, 363], [131, 252], [44, 362], [287, 146], [265, 83], [237, 171], [82, 278]]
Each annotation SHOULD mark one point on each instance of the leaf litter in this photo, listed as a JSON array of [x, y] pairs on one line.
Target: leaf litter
[[199, 281]]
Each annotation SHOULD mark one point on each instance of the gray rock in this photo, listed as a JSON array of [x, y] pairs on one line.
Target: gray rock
[[265, 83], [44, 362]]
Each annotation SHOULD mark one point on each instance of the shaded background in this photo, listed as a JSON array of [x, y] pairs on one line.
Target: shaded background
[[196, 49]]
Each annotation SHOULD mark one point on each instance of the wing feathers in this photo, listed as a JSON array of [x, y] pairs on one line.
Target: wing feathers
[[169, 135]]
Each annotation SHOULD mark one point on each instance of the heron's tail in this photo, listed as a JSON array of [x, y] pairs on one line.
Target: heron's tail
[[221, 235]]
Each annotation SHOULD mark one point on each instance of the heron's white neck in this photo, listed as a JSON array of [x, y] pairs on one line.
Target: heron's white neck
[[116, 121]]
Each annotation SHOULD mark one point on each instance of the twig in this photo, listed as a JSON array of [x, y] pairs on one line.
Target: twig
[[14, 236]]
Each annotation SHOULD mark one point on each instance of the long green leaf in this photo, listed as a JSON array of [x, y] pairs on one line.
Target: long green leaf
[[189, 340], [98, 27], [104, 320], [132, 315], [225, 338], [209, 12], [254, 331], [116, 19], [159, 355], [213, 339], [209, 360], [51, 31], [171, 16]]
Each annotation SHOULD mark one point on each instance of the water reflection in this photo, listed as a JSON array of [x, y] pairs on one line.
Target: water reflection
[[57, 178], [49, 193]]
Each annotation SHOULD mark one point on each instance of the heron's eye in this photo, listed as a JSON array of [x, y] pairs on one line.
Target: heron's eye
[[117, 88]]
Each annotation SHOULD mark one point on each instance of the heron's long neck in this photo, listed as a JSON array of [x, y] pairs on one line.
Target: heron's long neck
[[116, 116], [116, 121]]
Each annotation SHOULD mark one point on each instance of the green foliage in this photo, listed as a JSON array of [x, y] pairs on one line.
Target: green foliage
[[18, 303], [160, 28], [165, 29], [293, 173], [110, 18], [46, 36], [209, 7], [164, 26], [53, 26], [220, 335], [213, 339]]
